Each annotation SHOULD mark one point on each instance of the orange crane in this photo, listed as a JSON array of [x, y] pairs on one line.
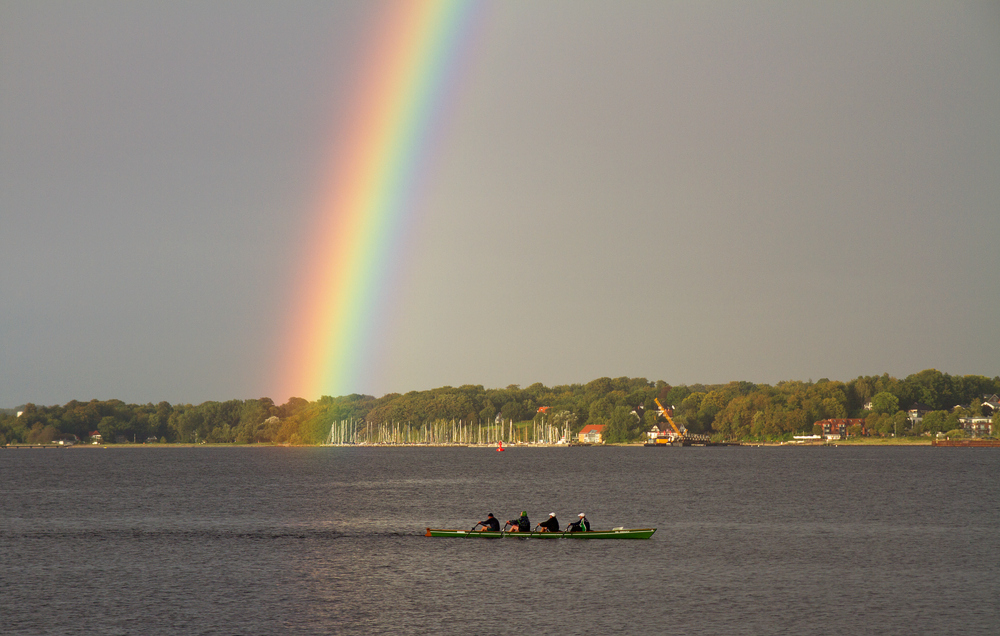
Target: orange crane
[[679, 436]]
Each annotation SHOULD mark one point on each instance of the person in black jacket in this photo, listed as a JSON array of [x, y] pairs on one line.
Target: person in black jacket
[[491, 524], [551, 524], [521, 524], [580, 526]]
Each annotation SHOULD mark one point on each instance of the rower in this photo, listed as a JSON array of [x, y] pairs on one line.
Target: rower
[[521, 524], [491, 524], [551, 524], [580, 526]]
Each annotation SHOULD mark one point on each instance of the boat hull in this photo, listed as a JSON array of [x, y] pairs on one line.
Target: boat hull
[[633, 533]]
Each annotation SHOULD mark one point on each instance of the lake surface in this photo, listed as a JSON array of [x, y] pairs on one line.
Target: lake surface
[[824, 540]]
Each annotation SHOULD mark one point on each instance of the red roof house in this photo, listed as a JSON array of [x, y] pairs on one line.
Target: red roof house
[[591, 433]]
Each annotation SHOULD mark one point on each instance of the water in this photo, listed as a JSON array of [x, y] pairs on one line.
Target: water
[[330, 541]]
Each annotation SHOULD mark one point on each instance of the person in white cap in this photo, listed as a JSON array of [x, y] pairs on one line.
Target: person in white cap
[[551, 524], [580, 526]]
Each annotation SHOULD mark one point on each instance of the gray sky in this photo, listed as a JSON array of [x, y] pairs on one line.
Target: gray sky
[[692, 192]]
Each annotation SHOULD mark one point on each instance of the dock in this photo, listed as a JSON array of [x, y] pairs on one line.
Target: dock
[[37, 446], [967, 443]]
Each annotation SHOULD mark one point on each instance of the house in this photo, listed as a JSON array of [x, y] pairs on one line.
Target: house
[[591, 434], [976, 426], [917, 412], [95, 437], [991, 403], [838, 427]]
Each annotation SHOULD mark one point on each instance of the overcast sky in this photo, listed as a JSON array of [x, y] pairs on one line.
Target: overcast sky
[[689, 192]]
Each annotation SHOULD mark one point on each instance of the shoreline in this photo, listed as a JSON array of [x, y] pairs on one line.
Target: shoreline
[[865, 442]]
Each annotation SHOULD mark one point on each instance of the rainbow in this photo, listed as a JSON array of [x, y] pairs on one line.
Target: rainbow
[[369, 193]]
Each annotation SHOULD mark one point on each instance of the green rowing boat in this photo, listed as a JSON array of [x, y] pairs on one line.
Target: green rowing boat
[[616, 533]]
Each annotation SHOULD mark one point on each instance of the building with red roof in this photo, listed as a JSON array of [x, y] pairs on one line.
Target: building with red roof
[[591, 433]]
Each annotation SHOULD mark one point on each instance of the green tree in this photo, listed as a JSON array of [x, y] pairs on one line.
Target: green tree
[[934, 422], [512, 411], [900, 423], [189, 424], [885, 403], [711, 405], [110, 427], [488, 414], [951, 421], [600, 409], [40, 434], [620, 425], [675, 396], [860, 391]]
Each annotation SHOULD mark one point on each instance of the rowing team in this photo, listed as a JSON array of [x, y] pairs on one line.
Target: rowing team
[[521, 524]]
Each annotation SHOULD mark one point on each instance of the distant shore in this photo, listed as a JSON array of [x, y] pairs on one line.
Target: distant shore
[[849, 442]]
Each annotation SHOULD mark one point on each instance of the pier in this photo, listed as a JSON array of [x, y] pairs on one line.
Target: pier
[[37, 446]]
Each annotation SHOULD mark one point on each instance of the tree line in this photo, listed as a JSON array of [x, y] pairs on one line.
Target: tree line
[[625, 406]]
